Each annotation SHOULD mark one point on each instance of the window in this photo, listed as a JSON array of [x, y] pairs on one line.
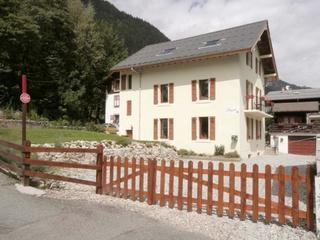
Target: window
[[116, 85], [123, 82], [164, 93], [164, 128], [116, 101], [204, 89], [249, 59], [167, 51], [129, 81], [257, 65], [250, 127], [204, 127]]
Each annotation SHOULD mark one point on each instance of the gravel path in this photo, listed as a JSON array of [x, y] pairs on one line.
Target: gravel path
[[211, 226]]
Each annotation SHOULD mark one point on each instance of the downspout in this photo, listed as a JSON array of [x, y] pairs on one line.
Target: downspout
[[139, 115]]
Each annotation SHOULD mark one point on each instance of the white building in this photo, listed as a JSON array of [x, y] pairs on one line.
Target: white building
[[198, 92]]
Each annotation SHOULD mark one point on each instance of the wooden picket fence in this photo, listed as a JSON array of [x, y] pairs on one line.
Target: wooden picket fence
[[172, 185], [205, 189], [18, 159]]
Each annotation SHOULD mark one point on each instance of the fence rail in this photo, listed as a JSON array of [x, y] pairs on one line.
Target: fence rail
[[22, 165], [208, 189]]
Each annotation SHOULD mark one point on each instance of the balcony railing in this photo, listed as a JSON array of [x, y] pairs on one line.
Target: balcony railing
[[295, 128]]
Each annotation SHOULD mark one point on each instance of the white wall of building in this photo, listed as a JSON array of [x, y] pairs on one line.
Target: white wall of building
[[282, 141], [228, 107], [110, 109]]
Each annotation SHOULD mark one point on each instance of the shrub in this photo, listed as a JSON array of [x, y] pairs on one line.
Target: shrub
[[185, 152], [232, 155], [95, 127], [123, 142], [219, 150]]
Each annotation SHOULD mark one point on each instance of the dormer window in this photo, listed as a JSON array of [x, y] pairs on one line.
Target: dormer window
[[167, 51], [211, 43]]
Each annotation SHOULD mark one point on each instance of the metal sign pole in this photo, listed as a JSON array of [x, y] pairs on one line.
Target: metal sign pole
[[24, 98]]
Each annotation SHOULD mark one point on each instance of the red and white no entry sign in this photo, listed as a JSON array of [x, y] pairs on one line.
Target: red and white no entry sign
[[25, 98]]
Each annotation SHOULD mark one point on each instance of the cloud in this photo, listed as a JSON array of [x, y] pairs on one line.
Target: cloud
[[293, 24]]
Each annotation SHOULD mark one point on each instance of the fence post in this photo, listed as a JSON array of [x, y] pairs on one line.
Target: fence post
[[152, 176], [99, 175], [26, 167]]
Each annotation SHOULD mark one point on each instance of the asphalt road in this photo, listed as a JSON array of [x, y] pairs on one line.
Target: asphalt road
[[25, 217]]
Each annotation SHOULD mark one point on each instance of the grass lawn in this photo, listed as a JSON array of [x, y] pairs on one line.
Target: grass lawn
[[46, 135]]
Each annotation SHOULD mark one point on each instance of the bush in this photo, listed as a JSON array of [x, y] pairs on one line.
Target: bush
[[95, 127], [123, 142], [185, 152], [219, 150], [232, 155]]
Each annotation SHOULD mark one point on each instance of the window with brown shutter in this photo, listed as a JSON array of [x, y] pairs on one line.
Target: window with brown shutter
[[257, 98], [194, 128], [123, 82], [129, 108], [129, 81], [155, 94], [212, 128], [155, 129], [171, 133], [212, 89], [247, 94], [203, 127], [164, 128], [171, 93], [194, 90]]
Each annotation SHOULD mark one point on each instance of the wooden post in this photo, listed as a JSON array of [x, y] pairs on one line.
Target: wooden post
[[152, 164], [171, 184], [243, 177], [111, 176], [220, 189], [189, 193], [295, 196], [281, 195], [26, 167], [180, 185], [255, 193], [268, 193], [118, 181], [141, 179], [232, 188], [99, 174], [133, 183], [126, 166], [104, 174], [309, 197], [199, 189], [209, 192], [162, 182]]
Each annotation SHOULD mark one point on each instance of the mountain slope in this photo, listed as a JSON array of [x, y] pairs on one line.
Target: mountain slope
[[135, 32], [280, 84]]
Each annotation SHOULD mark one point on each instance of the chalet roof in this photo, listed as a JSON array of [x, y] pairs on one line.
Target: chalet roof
[[310, 93], [228, 41]]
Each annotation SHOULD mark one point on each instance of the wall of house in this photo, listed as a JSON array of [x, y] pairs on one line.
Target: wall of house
[[225, 108], [110, 109], [253, 146]]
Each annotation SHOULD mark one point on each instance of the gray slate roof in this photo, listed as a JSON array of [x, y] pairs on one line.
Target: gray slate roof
[[232, 39], [294, 94]]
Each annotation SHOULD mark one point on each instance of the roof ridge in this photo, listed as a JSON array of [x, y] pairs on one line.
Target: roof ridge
[[221, 30]]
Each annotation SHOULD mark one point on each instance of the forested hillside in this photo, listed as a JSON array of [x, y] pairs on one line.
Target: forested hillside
[[135, 32], [69, 48], [280, 84]]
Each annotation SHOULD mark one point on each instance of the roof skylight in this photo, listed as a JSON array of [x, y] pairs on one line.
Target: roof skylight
[[211, 43], [167, 51]]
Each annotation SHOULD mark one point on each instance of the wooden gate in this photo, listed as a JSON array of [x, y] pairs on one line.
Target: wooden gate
[[266, 195]]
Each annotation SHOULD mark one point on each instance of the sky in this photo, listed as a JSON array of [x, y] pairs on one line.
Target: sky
[[294, 27]]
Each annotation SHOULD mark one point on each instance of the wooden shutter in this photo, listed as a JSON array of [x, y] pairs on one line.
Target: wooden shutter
[[123, 82], [194, 90], [247, 94], [250, 54], [171, 129], [171, 93], [194, 128], [212, 128], [155, 94], [155, 129], [212, 89], [257, 65], [129, 108], [252, 127]]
